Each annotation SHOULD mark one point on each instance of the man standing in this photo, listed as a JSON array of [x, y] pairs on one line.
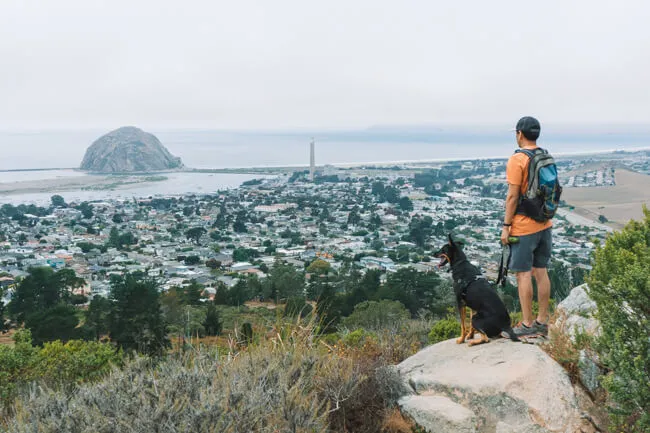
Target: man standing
[[530, 256]]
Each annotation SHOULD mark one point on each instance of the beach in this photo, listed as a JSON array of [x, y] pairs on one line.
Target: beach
[[88, 187]]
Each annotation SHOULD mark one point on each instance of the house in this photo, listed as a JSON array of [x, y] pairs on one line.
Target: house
[[242, 266], [384, 263]]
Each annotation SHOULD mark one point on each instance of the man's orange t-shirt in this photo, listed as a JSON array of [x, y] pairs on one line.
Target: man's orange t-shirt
[[517, 174]]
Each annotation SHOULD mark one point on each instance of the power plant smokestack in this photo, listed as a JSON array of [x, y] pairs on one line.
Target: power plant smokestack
[[312, 160]]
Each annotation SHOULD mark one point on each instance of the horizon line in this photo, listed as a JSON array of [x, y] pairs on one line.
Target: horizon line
[[424, 127]]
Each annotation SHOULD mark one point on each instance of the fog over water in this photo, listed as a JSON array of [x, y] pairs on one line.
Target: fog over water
[[223, 149]]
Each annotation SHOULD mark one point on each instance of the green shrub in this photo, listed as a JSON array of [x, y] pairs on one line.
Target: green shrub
[[59, 364], [330, 339], [14, 365], [356, 337], [619, 283], [212, 323], [373, 315], [56, 364], [290, 383], [444, 329], [247, 333]]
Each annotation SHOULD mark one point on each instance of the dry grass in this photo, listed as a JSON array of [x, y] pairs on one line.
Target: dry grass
[[289, 382], [561, 348], [7, 338], [394, 422], [619, 203]]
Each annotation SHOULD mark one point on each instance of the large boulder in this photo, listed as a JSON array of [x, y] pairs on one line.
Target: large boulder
[[575, 314], [500, 386], [126, 150]]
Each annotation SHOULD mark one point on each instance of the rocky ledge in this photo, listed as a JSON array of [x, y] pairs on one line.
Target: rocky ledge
[[499, 387]]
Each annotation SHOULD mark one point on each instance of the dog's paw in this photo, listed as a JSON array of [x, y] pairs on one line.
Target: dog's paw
[[460, 340]]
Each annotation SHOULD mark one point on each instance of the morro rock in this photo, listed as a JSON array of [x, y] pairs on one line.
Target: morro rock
[[128, 149]]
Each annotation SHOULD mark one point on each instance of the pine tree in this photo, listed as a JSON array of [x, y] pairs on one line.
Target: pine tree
[[97, 317], [192, 293], [113, 238], [42, 289], [136, 320], [212, 322]]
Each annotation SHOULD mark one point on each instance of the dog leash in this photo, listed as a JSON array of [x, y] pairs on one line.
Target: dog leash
[[503, 266], [505, 261]]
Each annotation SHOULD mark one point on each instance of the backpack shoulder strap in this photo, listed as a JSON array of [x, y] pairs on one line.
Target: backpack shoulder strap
[[531, 153], [527, 152], [532, 168]]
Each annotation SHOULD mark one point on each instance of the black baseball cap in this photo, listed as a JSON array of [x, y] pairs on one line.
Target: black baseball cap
[[529, 126]]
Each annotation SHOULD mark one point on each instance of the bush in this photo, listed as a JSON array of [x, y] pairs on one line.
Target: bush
[[246, 333], [14, 364], [619, 283], [56, 364], [445, 329], [212, 323], [55, 323], [565, 350], [374, 315], [356, 337], [289, 383], [59, 364]]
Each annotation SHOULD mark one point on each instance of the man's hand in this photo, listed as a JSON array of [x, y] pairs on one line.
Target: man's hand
[[505, 233]]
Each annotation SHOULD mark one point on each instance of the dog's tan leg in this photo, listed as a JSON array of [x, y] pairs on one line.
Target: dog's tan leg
[[480, 340], [463, 331], [470, 329]]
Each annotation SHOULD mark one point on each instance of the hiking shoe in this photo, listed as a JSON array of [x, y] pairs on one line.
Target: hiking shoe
[[521, 329], [540, 328]]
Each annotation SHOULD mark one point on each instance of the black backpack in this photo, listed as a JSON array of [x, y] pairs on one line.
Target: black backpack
[[542, 196]]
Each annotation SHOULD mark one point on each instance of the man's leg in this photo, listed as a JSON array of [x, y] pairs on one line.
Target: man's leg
[[521, 263], [541, 260], [525, 288], [543, 293]]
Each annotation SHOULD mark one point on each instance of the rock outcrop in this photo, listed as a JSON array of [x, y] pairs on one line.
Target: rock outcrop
[[128, 150], [496, 387], [576, 315]]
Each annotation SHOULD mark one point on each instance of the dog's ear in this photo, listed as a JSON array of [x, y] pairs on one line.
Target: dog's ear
[[451, 240]]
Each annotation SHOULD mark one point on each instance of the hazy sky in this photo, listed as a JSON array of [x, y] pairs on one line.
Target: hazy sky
[[321, 64]]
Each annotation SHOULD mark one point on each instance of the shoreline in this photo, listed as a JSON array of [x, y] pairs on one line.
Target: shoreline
[[344, 165], [63, 184]]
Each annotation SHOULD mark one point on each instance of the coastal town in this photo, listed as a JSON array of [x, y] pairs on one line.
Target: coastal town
[[364, 218]]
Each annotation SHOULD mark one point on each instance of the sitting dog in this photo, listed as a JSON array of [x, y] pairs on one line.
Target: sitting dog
[[489, 315]]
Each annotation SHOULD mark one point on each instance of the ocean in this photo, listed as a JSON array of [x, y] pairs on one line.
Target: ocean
[[24, 151], [226, 149]]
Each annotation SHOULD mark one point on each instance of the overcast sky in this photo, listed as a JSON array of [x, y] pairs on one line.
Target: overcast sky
[[321, 64]]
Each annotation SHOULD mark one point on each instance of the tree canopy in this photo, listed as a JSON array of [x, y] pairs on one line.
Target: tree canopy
[[136, 320], [43, 288], [619, 283]]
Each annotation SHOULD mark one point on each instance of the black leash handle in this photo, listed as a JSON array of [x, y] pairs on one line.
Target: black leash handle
[[503, 266]]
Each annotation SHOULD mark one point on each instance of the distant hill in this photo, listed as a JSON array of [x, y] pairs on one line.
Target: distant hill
[[126, 150]]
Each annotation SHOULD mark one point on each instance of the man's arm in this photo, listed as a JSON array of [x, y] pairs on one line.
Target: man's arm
[[512, 199]]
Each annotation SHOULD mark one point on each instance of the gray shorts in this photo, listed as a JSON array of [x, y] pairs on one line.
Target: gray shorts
[[532, 251]]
